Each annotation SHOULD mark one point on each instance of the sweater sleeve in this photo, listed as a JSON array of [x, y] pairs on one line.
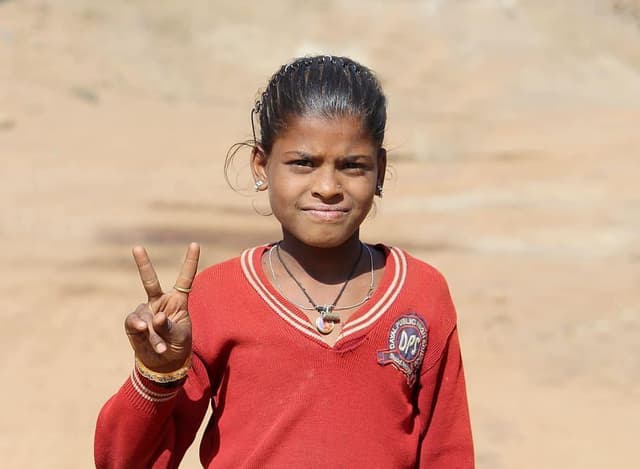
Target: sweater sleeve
[[146, 425], [446, 440]]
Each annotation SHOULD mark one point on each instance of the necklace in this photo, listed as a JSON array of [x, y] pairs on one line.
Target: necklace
[[327, 319]]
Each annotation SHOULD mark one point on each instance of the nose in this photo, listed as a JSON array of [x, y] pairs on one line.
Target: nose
[[326, 184]]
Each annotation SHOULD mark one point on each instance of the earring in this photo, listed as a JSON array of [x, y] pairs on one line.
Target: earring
[[259, 183], [379, 191]]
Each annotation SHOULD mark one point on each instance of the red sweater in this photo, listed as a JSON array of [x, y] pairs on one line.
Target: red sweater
[[389, 394]]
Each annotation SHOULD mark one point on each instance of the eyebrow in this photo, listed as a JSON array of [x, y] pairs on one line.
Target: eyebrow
[[303, 154]]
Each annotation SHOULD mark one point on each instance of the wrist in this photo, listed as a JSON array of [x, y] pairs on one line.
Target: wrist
[[163, 378]]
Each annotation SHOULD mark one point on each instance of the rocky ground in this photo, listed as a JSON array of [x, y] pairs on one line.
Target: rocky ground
[[513, 137]]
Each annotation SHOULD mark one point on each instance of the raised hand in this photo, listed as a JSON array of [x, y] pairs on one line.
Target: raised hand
[[160, 330]]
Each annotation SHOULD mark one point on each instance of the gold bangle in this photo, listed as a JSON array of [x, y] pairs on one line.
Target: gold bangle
[[157, 377], [182, 289]]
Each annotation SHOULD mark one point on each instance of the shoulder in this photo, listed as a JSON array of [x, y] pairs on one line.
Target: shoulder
[[230, 269], [424, 288], [213, 274], [226, 278], [418, 272], [222, 297]]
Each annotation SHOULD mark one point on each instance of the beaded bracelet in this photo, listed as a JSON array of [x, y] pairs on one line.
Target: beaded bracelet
[[163, 378]]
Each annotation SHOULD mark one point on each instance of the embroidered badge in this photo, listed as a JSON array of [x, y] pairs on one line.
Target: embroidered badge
[[407, 344]]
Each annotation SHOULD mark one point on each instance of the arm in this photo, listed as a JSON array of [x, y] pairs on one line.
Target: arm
[[446, 441], [147, 425]]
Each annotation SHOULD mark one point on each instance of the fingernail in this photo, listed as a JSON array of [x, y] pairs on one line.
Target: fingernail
[[161, 348]]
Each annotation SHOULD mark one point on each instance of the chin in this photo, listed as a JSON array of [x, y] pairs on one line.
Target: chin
[[322, 235], [322, 244], [325, 240]]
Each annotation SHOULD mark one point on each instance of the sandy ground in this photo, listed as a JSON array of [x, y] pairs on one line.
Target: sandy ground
[[514, 141]]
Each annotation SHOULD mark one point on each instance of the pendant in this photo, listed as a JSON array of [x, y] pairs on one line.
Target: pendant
[[324, 327], [327, 314]]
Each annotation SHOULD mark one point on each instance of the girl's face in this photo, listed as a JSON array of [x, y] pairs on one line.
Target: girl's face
[[321, 175]]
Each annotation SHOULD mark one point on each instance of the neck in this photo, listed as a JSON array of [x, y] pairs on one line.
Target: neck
[[328, 265]]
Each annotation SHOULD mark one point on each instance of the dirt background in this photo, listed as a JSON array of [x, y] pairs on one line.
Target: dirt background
[[515, 144]]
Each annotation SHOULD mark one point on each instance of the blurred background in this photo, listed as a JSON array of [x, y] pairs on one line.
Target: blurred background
[[514, 140]]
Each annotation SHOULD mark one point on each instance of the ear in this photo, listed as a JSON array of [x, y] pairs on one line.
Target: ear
[[382, 167], [259, 167]]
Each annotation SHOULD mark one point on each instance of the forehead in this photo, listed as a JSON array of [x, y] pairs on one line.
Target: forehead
[[319, 135]]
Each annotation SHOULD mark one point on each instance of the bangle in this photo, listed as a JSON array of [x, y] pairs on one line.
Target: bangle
[[162, 378]]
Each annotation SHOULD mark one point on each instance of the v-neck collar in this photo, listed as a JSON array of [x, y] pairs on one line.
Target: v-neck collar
[[358, 324]]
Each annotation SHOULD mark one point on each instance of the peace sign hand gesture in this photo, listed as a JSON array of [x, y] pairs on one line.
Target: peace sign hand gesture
[[160, 330]]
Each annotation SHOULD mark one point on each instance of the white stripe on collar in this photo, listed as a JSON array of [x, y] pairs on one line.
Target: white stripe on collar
[[247, 261]]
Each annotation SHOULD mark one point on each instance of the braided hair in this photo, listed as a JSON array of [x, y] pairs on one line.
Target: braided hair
[[322, 86]]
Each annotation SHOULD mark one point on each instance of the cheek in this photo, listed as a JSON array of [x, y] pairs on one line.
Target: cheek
[[363, 202], [366, 194], [282, 197], [366, 206]]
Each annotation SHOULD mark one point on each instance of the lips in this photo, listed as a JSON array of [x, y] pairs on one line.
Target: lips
[[326, 212]]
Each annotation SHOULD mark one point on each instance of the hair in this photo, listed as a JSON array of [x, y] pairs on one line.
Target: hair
[[326, 86]]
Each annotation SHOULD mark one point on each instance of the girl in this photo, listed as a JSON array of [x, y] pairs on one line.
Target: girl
[[314, 351]]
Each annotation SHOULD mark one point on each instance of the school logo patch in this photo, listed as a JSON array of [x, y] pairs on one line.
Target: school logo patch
[[407, 344]]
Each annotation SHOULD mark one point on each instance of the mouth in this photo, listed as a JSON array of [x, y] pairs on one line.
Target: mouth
[[326, 212]]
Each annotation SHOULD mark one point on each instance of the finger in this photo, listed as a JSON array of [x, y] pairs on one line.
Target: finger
[[162, 324], [139, 326], [174, 304], [155, 339], [134, 323], [147, 273], [179, 316], [189, 267]]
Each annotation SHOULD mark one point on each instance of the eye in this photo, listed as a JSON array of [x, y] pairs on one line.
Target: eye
[[301, 162], [355, 167], [303, 165]]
